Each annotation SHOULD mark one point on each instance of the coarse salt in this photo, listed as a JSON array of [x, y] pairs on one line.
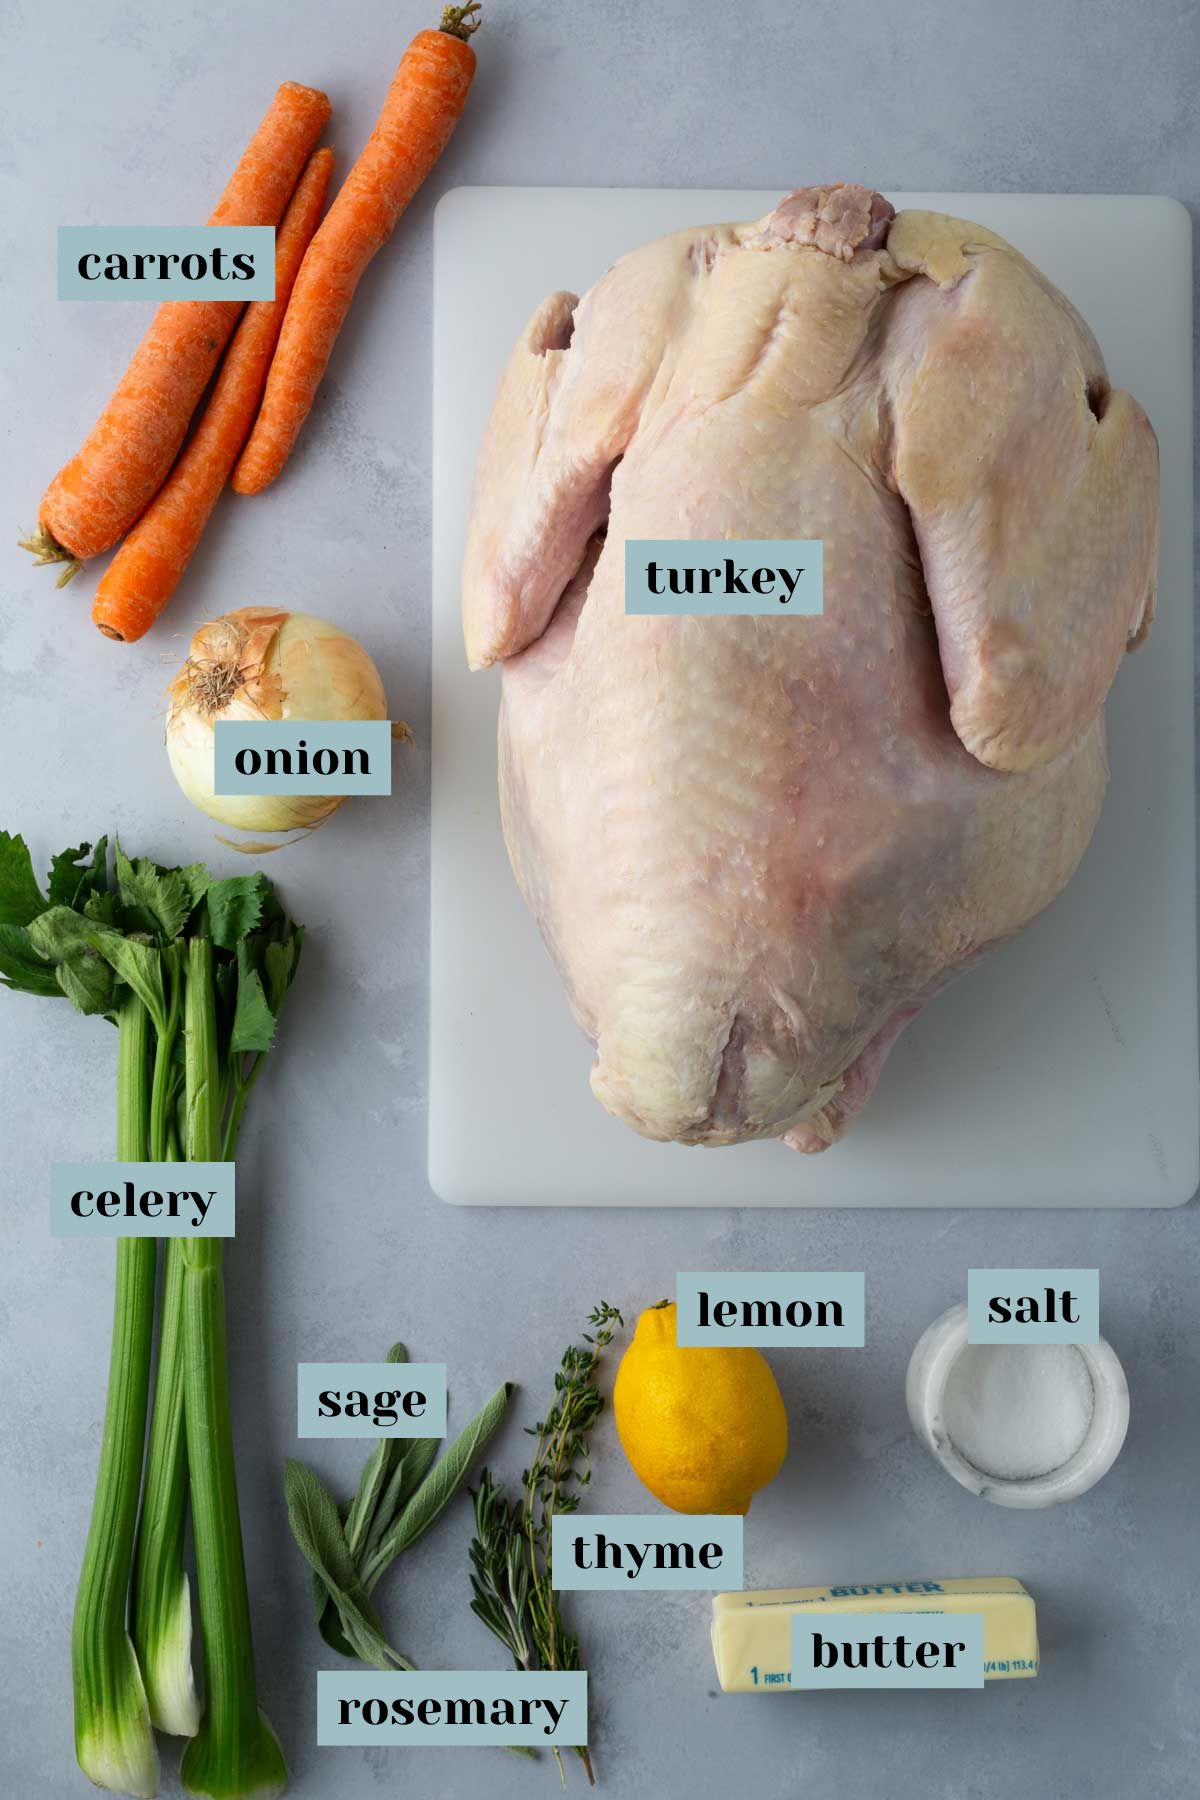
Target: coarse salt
[[1017, 1411]]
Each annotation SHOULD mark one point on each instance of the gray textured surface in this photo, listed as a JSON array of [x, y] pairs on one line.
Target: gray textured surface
[[131, 114]]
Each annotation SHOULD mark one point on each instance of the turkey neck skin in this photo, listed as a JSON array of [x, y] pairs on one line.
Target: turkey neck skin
[[750, 842]]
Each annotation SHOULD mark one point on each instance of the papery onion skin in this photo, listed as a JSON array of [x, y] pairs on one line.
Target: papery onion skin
[[263, 662]]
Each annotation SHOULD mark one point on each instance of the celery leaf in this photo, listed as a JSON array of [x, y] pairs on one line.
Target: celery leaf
[[21, 967], [253, 1021], [234, 908], [67, 881], [157, 900], [20, 896]]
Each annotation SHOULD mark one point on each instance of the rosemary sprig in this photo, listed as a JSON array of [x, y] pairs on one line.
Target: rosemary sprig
[[512, 1575]]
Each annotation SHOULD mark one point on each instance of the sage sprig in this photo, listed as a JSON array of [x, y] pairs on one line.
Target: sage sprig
[[349, 1547]]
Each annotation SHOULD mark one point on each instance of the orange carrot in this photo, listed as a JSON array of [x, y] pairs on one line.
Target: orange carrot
[[125, 460], [423, 104], [150, 563]]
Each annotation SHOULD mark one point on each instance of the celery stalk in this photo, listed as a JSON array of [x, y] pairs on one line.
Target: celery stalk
[[235, 1755], [114, 1743], [162, 1601]]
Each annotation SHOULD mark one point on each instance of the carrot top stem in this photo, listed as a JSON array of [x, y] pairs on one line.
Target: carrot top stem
[[44, 548], [457, 21]]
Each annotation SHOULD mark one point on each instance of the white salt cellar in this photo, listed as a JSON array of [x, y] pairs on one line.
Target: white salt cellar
[[1024, 1425]]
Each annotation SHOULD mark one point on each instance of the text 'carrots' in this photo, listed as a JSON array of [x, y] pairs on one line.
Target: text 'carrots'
[[422, 107], [147, 568], [96, 497]]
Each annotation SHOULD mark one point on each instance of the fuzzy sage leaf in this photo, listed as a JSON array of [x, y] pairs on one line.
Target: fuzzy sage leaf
[[374, 1479], [318, 1531], [439, 1486], [410, 1471]]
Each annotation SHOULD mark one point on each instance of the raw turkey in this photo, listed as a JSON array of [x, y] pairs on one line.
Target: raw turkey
[[755, 847]]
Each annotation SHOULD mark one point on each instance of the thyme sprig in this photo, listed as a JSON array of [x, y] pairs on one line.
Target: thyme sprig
[[512, 1579]]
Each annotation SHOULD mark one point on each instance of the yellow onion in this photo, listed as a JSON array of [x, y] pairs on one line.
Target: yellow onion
[[262, 663]]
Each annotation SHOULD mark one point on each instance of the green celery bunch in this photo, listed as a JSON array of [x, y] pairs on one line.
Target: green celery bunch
[[193, 972]]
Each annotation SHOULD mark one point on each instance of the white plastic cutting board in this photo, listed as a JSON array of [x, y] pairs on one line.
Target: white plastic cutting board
[[1063, 1071]]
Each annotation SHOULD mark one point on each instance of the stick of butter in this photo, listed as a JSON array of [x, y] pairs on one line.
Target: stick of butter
[[752, 1632]]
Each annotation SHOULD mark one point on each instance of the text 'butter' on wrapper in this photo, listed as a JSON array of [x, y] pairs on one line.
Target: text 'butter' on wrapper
[[752, 1632]]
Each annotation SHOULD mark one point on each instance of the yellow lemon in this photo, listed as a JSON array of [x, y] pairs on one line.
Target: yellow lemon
[[703, 1428]]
